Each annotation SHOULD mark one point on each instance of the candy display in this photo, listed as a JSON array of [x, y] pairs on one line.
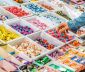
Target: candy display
[[61, 36], [42, 36], [44, 43], [30, 49], [63, 15], [53, 18], [38, 24], [60, 68], [66, 48], [42, 61], [35, 8], [75, 43], [46, 6], [47, 68], [17, 11], [25, 30], [19, 1], [6, 34], [56, 54]]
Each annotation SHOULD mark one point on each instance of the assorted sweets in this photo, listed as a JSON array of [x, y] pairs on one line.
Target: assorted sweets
[[17, 11], [34, 43], [7, 35]]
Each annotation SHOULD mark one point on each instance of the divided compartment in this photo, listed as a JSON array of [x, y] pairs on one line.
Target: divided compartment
[[29, 56], [32, 11], [19, 4], [45, 36], [41, 20], [23, 9], [52, 17], [6, 13], [14, 52], [60, 66], [8, 57], [45, 4], [23, 23], [10, 30], [51, 33], [54, 55]]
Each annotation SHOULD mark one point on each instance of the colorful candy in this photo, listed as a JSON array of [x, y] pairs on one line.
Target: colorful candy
[[17, 11], [47, 6], [30, 67], [35, 8], [60, 68], [42, 61], [65, 48], [48, 69], [75, 43], [38, 23], [30, 49], [7, 35], [25, 30], [61, 36], [19, 1], [44, 43], [63, 15], [53, 18]]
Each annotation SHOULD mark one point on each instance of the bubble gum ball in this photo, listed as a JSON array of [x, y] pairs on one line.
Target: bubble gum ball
[[17, 11], [7, 35]]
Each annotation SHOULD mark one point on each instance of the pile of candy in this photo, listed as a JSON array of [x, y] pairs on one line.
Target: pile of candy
[[30, 49], [19, 1], [62, 14], [35, 8], [54, 18], [61, 36], [30, 40], [25, 30], [16, 11], [7, 35], [46, 6], [38, 23], [44, 43]]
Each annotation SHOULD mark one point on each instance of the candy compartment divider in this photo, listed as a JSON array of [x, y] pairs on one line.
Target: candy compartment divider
[[55, 15], [32, 42], [44, 35], [19, 8], [8, 56], [49, 24], [11, 30], [22, 23], [4, 12], [23, 6], [60, 64]]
